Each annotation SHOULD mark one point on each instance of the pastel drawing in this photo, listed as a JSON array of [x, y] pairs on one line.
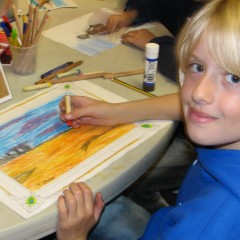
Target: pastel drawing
[[37, 147]]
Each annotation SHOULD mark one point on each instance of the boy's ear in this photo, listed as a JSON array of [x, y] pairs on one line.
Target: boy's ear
[[181, 76]]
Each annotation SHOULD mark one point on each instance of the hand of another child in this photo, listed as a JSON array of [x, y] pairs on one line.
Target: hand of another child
[[115, 22], [138, 38], [78, 212]]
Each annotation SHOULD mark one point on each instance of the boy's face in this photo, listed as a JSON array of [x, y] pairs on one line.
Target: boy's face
[[211, 101], [5, 5]]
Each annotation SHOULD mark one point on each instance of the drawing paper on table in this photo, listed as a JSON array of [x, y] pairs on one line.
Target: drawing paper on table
[[40, 155], [78, 26], [5, 93]]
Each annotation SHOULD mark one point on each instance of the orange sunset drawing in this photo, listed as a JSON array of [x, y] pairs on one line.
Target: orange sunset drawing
[[51, 159]]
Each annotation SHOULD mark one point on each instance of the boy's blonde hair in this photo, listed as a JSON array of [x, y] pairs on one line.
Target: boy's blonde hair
[[220, 21]]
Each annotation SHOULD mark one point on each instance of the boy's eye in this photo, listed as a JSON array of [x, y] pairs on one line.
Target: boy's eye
[[230, 78], [195, 68]]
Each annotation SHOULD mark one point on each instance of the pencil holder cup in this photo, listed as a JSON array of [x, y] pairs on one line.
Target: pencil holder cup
[[24, 59]]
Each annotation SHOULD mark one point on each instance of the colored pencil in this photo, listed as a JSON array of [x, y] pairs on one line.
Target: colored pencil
[[14, 9], [132, 87], [51, 76], [41, 28]]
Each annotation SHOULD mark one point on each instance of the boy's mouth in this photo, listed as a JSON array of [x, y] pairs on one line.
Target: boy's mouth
[[199, 117]]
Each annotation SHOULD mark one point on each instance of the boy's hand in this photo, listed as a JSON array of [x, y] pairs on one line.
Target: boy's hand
[[89, 111], [78, 212]]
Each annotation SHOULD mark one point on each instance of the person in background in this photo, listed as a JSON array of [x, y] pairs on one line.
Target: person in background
[[5, 6], [208, 204], [172, 14]]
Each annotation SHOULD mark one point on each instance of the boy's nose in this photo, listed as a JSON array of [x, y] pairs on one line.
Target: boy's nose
[[204, 90]]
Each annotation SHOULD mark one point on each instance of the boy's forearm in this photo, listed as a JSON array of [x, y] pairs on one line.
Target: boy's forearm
[[167, 107]]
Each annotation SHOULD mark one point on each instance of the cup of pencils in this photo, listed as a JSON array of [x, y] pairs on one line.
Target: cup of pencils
[[23, 39], [24, 59]]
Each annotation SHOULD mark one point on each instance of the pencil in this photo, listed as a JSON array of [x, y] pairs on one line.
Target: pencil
[[14, 9], [132, 87], [30, 12], [42, 25], [27, 34], [51, 76], [35, 23], [25, 24]]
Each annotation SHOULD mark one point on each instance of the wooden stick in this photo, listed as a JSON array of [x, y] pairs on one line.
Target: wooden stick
[[51, 76], [86, 76], [122, 74], [77, 78]]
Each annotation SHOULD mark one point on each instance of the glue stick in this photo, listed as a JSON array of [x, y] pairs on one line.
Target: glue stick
[[151, 62]]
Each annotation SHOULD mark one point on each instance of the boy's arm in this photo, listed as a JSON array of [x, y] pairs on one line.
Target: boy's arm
[[93, 112], [166, 107]]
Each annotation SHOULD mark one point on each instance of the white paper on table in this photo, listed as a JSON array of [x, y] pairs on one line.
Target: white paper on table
[[54, 4], [68, 33]]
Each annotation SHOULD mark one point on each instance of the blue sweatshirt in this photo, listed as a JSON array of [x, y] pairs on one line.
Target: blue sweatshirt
[[208, 205]]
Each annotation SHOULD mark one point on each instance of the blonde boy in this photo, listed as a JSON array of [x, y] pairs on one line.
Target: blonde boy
[[208, 205]]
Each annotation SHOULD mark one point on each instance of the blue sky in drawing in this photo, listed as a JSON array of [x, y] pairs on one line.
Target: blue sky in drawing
[[32, 128]]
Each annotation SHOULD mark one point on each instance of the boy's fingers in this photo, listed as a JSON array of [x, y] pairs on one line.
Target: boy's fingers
[[62, 209], [99, 206], [88, 197], [71, 202]]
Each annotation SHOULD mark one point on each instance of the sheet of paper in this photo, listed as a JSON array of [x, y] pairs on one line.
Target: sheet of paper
[[68, 33], [53, 4], [5, 92], [40, 155]]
